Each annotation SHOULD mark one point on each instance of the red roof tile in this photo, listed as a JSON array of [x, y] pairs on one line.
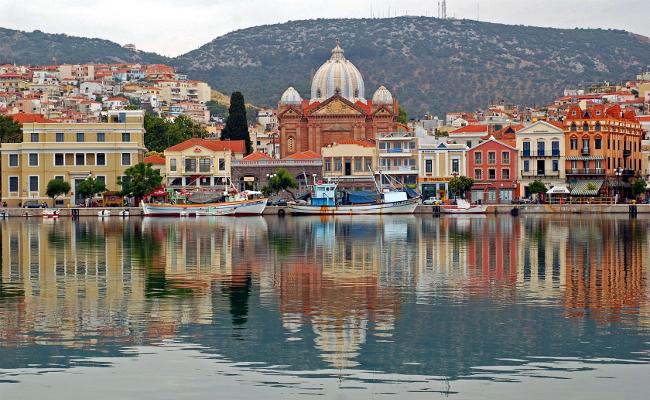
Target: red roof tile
[[470, 129], [155, 160], [257, 156], [30, 118], [305, 155], [236, 146]]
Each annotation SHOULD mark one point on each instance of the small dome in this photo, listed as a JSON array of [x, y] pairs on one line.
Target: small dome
[[382, 96], [337, 75], [291, 96]]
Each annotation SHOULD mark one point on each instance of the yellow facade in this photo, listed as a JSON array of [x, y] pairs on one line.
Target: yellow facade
[[198, 163], [71, 152], [353, 160]]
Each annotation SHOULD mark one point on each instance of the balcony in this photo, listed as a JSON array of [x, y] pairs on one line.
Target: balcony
[[399, 169], [585, 171], [585, 151], [540, 174]]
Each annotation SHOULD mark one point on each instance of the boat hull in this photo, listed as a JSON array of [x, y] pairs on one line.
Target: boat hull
[[245, 207], [472, 210], [398, 207]]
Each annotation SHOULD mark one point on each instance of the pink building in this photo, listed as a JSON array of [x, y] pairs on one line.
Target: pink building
[[493, 166]]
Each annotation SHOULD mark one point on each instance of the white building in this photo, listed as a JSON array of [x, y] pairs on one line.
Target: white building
[[541, 155]]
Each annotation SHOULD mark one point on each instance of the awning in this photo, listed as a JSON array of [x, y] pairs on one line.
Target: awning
[[558, 190], [587, 187], [584, 158]]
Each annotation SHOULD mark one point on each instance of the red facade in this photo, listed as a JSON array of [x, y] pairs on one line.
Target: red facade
[[493, 166]]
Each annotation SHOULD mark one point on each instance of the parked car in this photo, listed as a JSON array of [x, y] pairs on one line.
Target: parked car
[[431, 201], [32, 204]]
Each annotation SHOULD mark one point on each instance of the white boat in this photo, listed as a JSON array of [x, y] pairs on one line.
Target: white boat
[[124, 213], [215, 212], [240, 207], [103, 213], [463, 207], [324, 202], [50, 214]]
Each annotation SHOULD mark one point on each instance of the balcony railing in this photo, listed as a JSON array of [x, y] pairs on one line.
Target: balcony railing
[[403, 168], [526, 153], [540, 173], [540, 152], [585, 171], [555, 153]]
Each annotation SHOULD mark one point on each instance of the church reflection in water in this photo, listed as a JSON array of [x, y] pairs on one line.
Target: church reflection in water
[[344, 293]]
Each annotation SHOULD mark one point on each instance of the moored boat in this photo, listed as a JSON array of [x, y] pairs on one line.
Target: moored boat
[[238, 207], [50, 214], [463, 207]]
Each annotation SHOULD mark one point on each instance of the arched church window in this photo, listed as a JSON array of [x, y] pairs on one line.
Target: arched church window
[[291, 144], [574, 128]]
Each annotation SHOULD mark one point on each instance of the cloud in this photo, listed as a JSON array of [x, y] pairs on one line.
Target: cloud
[[172, 27]]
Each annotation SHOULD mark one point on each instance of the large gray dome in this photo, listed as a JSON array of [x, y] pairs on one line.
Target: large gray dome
[[337, 74]]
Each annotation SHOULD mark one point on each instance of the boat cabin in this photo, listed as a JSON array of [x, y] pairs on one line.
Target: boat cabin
[[324, 194]]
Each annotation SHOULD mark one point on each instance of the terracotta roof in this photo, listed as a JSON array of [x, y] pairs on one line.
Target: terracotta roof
[[470, 129], [30, 118], [236, 146], [364, 143], [556, 124], [304, 155], [257, 156], [155, 160]]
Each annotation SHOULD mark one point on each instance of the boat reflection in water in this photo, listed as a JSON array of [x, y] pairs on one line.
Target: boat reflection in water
[[417, 304]]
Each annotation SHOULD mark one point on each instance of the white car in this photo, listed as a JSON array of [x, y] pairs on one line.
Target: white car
[[431, 201]]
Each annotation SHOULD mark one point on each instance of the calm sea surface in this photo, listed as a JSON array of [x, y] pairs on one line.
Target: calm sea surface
[[345, 308]]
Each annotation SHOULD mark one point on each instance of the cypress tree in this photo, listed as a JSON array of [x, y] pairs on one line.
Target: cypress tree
[[236, 125]]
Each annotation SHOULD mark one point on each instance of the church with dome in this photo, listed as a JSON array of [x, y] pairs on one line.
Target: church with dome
[[336, 111]]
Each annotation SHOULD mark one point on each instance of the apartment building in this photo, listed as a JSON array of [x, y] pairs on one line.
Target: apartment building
[[541, 155], [71, 152]]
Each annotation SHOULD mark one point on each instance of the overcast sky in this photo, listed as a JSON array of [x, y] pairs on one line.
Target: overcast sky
[[173, 27]]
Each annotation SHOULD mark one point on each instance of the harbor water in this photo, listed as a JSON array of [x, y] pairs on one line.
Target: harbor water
[[351, 307]]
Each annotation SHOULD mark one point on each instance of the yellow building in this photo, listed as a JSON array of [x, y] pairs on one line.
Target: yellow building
[[174, 91], [202, 163], [438, 162], [71, 152], [350, 161]]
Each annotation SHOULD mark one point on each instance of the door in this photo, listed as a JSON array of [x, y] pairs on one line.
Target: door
[[541, 167], [348, 168]]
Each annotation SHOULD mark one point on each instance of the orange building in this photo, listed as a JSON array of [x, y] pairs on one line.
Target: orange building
[[336, 111], [602, 143]]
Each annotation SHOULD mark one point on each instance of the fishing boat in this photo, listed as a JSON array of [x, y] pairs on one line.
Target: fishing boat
[[463, 207], [324, 201], [215, 212], [238, 205]]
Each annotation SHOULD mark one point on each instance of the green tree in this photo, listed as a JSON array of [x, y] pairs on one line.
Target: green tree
[[236, 125], [537, 186], [10, 130], [403, 116], [141, 180], [56, 188], [281, 180], [458, 185], [161, 134], [89, 187], [639, 186]]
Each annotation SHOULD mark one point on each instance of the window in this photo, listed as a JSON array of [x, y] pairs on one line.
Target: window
[[222, 164], [13, 184], [328, 164], [540, 148], [555, 146], [100, 159], [598, 127], [80, 137], [598, 143], [428, 166], [492, 174], [455, 166], [574, 143], [526, 149], [60, 137], [34, 137], [172, 164], [33, 160], [338, 164], [126, 158], [585, 127], [585, 144], [80, 159], [505, 174], [468, 143], [190, 165], [526, 165], [101, 178], [126, 136], [59, 159], [556, 165], [382, 145], [13, 160], [357, 164], [478, 174], [101, 137], [574, 164], [33, 183], [574, 128], [204, 164], [478, 157], [492, 157], [505, 157], [58, 177]]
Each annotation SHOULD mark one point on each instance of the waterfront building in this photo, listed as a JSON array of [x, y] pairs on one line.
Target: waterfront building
[[202, 163], [337, 109], [603, 144], [493, 166], [541, 155], [438, 162], [71, 152], [397, 154], [350, 162], [158, 163], [254, 171], [469, 135]]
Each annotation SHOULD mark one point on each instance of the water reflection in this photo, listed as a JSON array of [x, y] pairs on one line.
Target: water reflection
[[450, 298]]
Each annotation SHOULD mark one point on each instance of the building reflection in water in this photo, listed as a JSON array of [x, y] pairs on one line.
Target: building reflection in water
[[339, 284]]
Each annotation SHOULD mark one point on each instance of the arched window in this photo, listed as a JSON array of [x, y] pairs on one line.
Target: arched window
[[585, 127], [598, 128], [356, 92], [574, 128], [291, 144], [319, 94]]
